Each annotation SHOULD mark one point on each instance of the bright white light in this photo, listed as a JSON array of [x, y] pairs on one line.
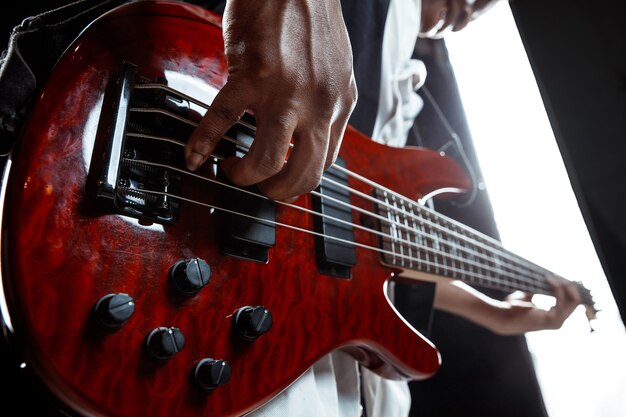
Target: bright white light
[[581, 373]]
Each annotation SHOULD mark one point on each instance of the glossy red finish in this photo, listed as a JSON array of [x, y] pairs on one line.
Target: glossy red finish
[[60, 258]]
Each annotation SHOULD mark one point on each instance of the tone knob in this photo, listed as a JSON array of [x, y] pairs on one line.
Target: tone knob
[[113, 310], [210, 373], [252, 322], [189, 276], [164, 342]]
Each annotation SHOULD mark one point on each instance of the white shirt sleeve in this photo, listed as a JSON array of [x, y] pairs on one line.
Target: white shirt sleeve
[[401, 76]]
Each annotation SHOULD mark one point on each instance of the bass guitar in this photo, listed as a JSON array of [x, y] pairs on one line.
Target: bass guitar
[[134, 287]]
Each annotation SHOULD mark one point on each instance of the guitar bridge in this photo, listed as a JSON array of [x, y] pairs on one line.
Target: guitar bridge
[[138, 175], [143, 165]]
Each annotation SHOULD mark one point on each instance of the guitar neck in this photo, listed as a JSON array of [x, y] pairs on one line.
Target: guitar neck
[[418, 239]]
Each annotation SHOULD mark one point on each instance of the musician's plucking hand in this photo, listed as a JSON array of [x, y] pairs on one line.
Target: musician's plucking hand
[[295, 75]]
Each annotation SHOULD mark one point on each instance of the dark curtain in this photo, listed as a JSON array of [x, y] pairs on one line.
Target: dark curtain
[[577, 50]]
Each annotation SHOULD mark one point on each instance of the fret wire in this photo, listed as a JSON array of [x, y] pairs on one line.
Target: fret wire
[[392, 226], [387, 226], [477, 260], [429, 242], [395, 232], [422, 208], [489, 258], [433, 253], [490, 270], [416, 239], [496, 245], [395, 237], [519, 268], [396, 217], [455, 251], [470, 254], [484, 277], [481, 262], [506, 267], [434, 244], [438, 247], [406, 223]]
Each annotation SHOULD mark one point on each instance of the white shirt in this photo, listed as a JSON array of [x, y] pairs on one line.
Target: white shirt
[[333, 386], [401, 76]]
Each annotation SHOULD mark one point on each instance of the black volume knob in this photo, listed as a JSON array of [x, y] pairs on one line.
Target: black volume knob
[[210, 373], [189, 276], [164, 342], [113, 310], [252, 322]]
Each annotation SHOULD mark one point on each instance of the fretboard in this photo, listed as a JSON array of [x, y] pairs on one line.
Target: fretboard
[[419, 239]]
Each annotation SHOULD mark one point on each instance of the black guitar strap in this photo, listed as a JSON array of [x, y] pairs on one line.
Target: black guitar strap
[[33, 49]]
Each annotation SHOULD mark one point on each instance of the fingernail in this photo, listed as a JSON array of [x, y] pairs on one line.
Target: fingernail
[[194, 160]]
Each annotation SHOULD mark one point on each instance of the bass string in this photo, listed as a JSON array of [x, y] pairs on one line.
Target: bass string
[[516, 263], [493, 277], [496, 250], [495, 247], [438, 239], [482, 278], [354, 175], [492, 245], [531, 286], [522, 274]]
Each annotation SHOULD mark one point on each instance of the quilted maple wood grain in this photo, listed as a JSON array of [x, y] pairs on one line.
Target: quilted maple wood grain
[[61, 256]]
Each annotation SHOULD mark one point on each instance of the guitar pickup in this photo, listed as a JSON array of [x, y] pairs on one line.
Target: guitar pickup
[[335, 255], [251, 232]]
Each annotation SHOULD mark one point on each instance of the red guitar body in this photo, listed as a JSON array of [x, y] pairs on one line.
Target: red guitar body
[[59, 259]]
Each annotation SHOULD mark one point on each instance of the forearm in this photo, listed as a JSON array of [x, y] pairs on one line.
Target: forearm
[[462, 300], [501, 317]]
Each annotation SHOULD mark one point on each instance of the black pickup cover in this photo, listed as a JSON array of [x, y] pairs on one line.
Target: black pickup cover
[[334, 257], [242, 236]]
